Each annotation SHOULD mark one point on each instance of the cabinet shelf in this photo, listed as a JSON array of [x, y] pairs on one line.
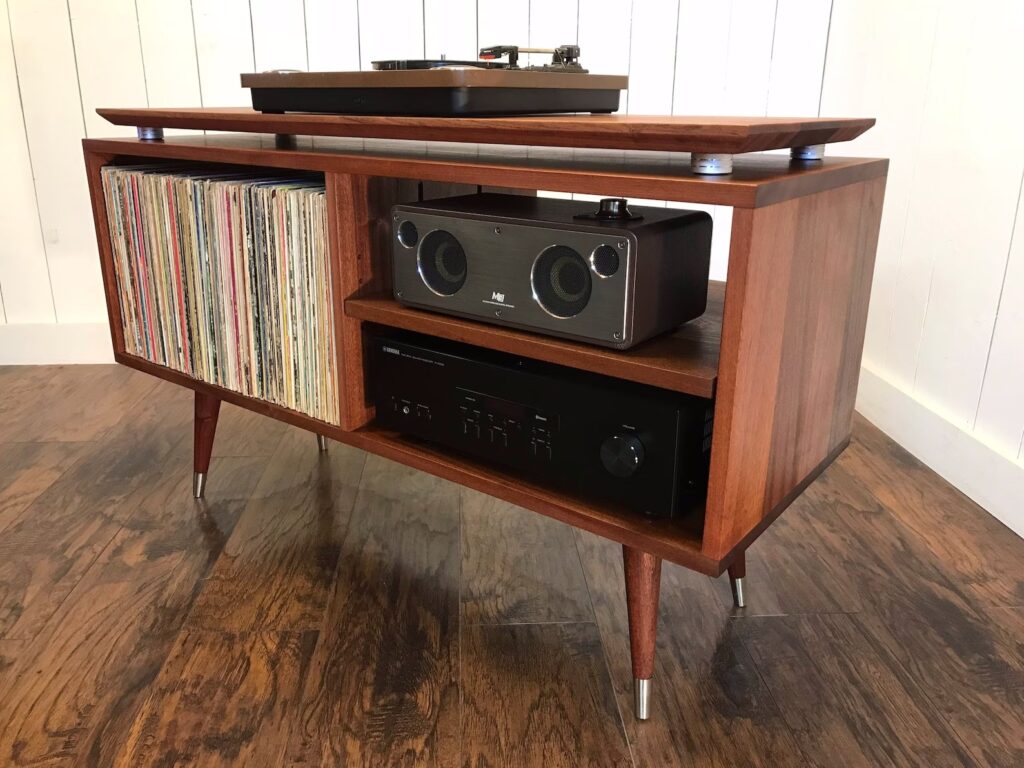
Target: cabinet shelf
[[685, 360]]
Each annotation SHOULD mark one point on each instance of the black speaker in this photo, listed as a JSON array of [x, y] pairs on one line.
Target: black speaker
[[614, 276]]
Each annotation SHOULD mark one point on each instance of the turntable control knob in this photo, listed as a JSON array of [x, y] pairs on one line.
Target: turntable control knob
[[612, 208], [622, 454]]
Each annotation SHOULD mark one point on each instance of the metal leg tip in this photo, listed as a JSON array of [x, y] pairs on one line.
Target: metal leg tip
[[199, 484], [321, 443], [737, 593], [642, 697]]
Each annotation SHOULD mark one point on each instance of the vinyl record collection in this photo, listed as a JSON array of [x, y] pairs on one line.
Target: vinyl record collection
[[223, 276]]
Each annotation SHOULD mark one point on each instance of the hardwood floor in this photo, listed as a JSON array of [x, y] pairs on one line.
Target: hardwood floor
[[339, 609]]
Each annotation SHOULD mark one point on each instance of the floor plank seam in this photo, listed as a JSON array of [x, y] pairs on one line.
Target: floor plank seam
[[744, 616], [489, 624]]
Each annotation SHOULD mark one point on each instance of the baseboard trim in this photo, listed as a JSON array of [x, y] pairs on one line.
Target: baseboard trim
[[992, 479], [55, 343]]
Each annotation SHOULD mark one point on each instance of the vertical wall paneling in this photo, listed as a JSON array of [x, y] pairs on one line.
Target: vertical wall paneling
[[891, 85], [552, 22], [24, 280], [278, 34], [54, 125], [1000, 419], [798, 57], [332, 35], [223, 36], [651, 61], [723, 64], [748, 66], [168, 53], [957, 269], [390, 30], [652, 56], [450, 29], [503, 22], [702, 55], [109, 59], [604, 38]]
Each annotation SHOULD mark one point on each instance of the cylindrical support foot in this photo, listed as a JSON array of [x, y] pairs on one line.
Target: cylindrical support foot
[[737, 573], [321, 443], [642, 697], [710, 163], [147, 133], [207, 410], [198, 484], [643, 584], [809, 152]]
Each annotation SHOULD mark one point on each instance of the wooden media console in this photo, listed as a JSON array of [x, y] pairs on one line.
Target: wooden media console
[[778, 350]]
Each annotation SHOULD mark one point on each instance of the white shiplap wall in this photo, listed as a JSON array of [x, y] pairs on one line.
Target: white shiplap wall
[[944, 360]]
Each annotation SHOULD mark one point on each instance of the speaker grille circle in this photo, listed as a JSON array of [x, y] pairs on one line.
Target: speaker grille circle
[[561, 281], [442, 262]]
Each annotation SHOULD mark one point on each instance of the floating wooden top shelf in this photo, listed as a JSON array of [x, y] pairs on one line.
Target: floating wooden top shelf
[[757, 180], [732, 135]]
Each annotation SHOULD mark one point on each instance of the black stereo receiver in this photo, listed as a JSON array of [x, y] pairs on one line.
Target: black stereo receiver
[[627, 445]]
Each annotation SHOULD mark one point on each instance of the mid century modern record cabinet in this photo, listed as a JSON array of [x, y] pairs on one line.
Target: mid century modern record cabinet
[[779, 349]]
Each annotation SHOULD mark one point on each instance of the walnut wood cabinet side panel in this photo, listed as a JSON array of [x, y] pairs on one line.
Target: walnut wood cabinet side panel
[[94, 162], [793, 331]]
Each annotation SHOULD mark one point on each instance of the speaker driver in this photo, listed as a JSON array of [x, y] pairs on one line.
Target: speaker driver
[[561, 281], [442, 262]]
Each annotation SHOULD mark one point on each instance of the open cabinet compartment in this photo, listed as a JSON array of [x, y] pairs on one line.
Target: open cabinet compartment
[[779, 348]]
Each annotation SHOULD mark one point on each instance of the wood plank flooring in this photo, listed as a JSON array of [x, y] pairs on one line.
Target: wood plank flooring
[[339, 609]]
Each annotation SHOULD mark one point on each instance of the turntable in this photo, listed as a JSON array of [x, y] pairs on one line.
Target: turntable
[[444, 88]]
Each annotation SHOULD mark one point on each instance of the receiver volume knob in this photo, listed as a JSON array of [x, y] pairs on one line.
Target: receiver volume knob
[[622, 454]]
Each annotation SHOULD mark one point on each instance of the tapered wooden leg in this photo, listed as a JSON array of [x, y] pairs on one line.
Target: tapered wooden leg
[[643, 585], [207, 411], [737, 573]]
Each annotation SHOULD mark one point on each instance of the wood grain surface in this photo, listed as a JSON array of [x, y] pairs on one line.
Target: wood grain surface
[[792, 338], [650, 132], [755, 181], [396, 619], [204, 429], [28, 469], [513, 566], [548, 703], [359, 231], [221, 699], [383, 682], [685, 360], [277, 569]]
